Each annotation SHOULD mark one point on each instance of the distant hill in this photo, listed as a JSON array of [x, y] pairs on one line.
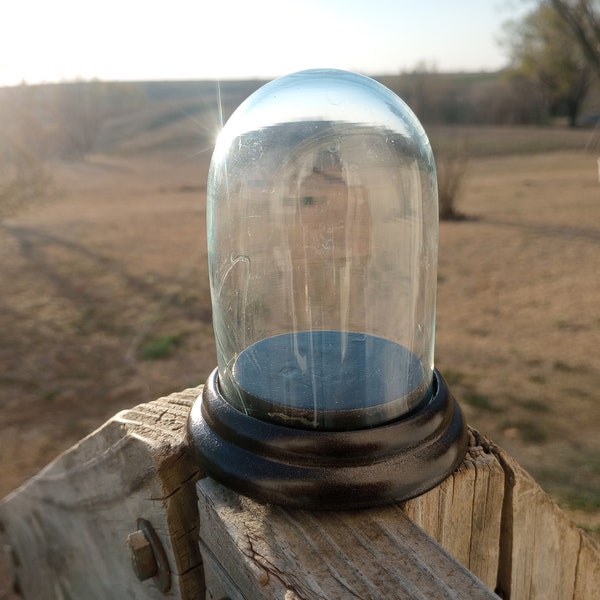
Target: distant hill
[[173, 115], [72, 120]]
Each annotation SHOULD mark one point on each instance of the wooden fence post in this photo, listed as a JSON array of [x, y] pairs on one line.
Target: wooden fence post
[[130, 491], [68, 527]]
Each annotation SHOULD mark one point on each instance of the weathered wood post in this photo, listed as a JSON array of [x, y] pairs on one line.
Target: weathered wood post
[[322, 216], [487, 527]]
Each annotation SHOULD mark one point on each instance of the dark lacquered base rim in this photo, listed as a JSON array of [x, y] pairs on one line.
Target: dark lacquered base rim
[[327, 469]]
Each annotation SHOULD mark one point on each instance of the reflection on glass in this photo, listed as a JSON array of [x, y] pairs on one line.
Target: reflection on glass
[[322, 228]]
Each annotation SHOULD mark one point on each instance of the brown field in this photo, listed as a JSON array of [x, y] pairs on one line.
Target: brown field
[[105, 303]]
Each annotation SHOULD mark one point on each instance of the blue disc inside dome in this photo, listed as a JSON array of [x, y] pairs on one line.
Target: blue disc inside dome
[[328, 379]]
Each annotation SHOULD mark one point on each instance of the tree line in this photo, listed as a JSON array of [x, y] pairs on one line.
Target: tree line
[[552, 72]]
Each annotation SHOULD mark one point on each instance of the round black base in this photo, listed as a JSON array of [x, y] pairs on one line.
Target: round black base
[[303, 468]]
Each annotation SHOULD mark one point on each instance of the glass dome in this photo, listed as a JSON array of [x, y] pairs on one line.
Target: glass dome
[[322, 237]]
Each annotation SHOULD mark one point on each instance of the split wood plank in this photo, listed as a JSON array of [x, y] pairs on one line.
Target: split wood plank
[[67, 527], [464, 512], [271, 553], [520, 543], [543, 554]]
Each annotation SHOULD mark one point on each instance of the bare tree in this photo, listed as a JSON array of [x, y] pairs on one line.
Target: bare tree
[[451, 160], [543, 49], [583, 19], [23, 149]]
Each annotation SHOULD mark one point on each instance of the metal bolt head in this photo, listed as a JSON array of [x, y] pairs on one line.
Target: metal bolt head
[[142, 556], [148, 557]]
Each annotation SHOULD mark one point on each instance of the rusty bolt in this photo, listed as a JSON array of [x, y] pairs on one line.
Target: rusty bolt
[[148, 556], [142, 557]]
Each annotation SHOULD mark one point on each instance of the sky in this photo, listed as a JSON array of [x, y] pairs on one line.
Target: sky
[[61, 40]]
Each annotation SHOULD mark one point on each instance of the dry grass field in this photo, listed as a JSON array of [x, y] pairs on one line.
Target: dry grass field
[[518, 325], [105, 304]]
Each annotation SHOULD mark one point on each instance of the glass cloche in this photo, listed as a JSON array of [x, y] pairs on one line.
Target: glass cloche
[[322, 223]]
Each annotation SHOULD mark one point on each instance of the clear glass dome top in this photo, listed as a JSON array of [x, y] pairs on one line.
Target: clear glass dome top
[[322, 237]]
